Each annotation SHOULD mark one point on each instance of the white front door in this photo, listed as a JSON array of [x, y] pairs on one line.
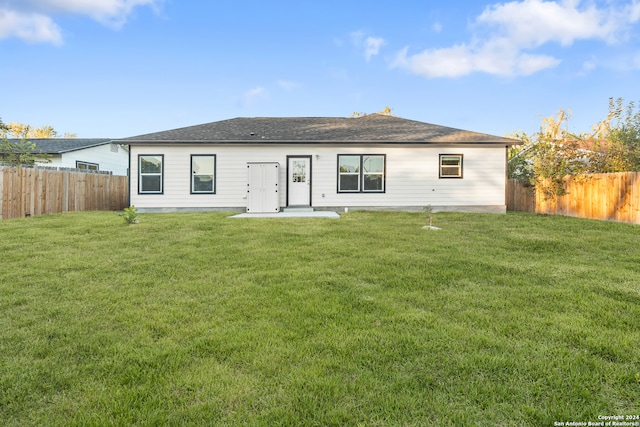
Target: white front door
[[299, 181]]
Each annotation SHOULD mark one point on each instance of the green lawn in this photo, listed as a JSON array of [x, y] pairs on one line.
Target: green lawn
[[198, 319]]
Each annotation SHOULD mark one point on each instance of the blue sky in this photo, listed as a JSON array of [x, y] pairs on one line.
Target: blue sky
[[118, 68]]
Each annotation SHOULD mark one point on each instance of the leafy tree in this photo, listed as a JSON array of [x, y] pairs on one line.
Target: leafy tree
[[519, 164], [548, 155], [18, 153], [21, 130], [22, 152], [553, 152], [616, 140]]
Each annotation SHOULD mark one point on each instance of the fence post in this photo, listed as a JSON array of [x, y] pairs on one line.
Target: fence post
[[65, 192]]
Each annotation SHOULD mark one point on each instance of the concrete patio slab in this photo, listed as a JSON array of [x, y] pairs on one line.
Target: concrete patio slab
[[290, 214]]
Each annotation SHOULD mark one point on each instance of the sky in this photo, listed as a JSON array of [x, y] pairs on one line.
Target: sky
[[119, 68]]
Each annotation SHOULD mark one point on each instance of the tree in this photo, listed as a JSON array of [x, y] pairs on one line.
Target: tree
[[553, 152], [21, 130], [548, 155], [22, 151], [616, 140], [519, 164]]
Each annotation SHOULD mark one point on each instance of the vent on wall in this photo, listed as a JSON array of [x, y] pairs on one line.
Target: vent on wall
[[114, 148]]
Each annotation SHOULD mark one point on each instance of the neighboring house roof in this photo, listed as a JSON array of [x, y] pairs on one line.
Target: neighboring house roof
[[63, 145], [374, 128]]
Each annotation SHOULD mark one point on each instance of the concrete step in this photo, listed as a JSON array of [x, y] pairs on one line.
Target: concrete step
[[298, 209]]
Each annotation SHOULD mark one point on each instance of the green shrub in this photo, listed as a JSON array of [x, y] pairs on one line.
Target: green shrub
[[130, 215]]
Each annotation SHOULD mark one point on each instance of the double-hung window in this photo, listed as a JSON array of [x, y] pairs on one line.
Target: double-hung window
[[150, 173], [450, 165], [361, 173], [203, 174]]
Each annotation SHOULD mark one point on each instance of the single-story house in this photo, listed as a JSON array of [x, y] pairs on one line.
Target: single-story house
[[267, 164], [96, 154]]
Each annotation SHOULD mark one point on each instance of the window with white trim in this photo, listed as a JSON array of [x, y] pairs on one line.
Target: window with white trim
[[87, 166], [203, 174], [361, 173], [450, 165], [150, 173]]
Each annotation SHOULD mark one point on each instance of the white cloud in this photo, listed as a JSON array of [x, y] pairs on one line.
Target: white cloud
[[455, 61], [111, 12], [370, 45], [506, 37], [33, 20], [531, 23], [251, 96], [461, 60], [30, 27], [634, 12]]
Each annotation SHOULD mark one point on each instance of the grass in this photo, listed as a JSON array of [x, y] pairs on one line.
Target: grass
[[197, 319]]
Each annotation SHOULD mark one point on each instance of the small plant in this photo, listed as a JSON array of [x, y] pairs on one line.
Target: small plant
[[130, 215]]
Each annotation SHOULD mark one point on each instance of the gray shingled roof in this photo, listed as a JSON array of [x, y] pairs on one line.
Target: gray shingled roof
[[374, 128], [64, 145]]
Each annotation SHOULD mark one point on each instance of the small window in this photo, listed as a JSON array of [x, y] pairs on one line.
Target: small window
[[87, 166], [150, 173], [361, 173], [299, 171], [203, 174], [450, 165]]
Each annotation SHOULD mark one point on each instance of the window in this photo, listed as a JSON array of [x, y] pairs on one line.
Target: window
[[348, 173], [203, 174], [299, 171], [361, 173], [373, 173], [87, 166], [450, 165], [150, 171]]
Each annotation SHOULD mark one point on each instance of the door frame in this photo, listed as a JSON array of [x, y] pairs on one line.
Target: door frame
[[309, 175]]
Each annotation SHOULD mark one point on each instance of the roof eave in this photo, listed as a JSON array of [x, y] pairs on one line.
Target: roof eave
[[304, 142], [82, 148]]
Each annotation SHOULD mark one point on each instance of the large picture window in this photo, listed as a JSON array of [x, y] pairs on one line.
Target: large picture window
[[150, 171], [450, 165], [203, 174], [362, 173]]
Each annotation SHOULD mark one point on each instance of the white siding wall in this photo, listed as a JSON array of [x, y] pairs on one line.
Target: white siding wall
[[102, 155], [411, 176]]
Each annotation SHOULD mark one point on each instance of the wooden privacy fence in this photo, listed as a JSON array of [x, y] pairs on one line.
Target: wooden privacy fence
[[520, 198], [605, 196], [34, 191]]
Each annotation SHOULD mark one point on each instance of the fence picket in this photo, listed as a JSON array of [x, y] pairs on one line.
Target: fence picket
[[613, 197], [34, 191]]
